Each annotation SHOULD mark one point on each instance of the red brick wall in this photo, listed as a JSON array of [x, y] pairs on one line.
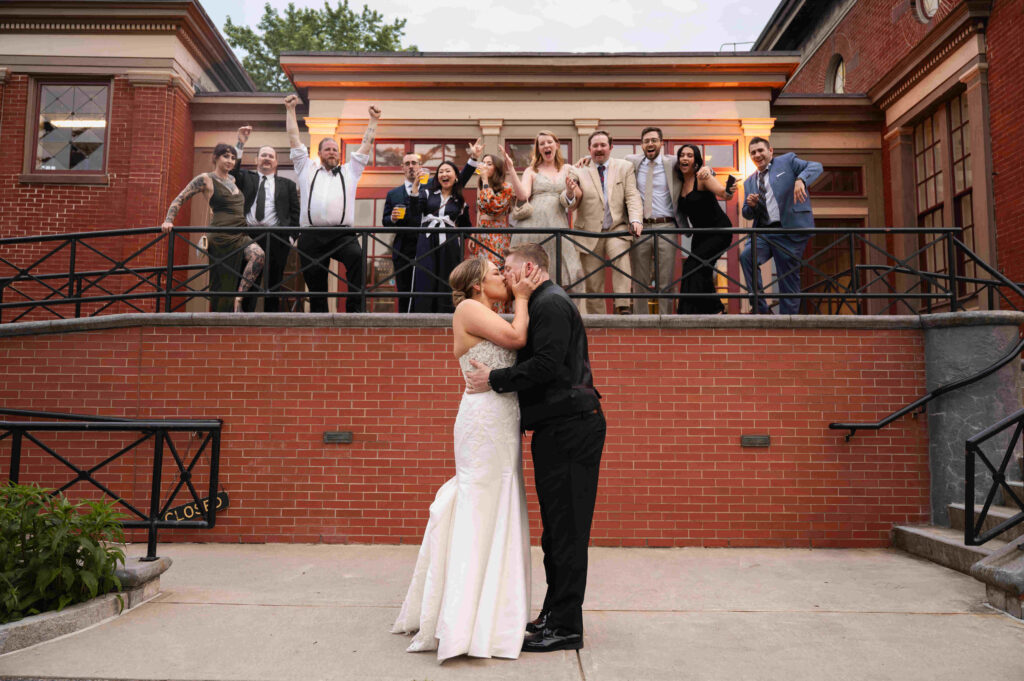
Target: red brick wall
[[1006, 101], [149, 154], [673, 472], [872, 38]]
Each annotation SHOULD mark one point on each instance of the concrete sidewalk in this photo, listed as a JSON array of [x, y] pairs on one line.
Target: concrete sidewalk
[[284, 612]]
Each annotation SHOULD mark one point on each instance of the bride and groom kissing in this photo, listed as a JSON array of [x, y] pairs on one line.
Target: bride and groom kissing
[[470, 590]]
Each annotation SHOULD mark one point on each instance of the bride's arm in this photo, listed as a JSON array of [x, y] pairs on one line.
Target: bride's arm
[[482, 322]]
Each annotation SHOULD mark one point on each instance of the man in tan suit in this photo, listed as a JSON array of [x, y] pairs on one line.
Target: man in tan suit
[[610, 203], [659, 200]]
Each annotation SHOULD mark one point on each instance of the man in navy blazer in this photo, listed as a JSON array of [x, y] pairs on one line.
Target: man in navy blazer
[[278, 207], [403, 249], [777, 199]]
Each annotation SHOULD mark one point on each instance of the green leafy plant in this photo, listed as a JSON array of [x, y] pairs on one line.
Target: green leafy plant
[[54, 553]]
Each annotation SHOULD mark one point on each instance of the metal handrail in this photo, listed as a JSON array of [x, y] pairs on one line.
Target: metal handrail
[[922, 401], [156, 429]]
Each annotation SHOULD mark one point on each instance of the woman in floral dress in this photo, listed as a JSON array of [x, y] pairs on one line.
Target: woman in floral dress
[[495, 199]]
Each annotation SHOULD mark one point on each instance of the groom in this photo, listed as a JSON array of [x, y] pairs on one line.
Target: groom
[[559, 404]]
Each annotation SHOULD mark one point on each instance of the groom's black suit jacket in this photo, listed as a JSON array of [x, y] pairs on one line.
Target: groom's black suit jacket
[[552, 372]]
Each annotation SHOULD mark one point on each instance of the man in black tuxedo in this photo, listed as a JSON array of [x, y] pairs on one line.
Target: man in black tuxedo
[[399, 211], [558, 402], [270, 201]]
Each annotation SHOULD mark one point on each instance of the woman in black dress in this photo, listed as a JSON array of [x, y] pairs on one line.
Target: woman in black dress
[[439, 250], [698, 201]]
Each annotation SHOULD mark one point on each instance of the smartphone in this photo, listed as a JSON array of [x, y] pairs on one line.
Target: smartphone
[[730, 183]]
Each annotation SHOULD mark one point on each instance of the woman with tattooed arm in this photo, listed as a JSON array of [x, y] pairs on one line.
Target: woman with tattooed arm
[[227, 251]]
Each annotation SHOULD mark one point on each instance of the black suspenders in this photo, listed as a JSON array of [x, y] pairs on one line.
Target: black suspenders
[[344, 195]]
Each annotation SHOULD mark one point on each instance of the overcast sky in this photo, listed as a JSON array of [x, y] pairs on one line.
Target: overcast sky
[[549, 25]]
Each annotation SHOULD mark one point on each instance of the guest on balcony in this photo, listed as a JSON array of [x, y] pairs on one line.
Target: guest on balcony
[[699, 194], [443, 212], [270, 201], [777, 199], [495, 199], [227, 250], [401, 209], [327, 204]]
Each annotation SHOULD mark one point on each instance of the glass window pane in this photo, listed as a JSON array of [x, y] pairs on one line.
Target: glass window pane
[[967, 138], [622, 150], [954, 110], [72, 127], [958, 176], [939, 188], [920, 168], [931, 193], [969, 180], [938, 157], [919, 138], [389, 154], [921, 198], [457, 153], [722, 155], [520, 153], [929, 164], [928, 132], [430, 154], [364, 212], [967, 210], [564, 146], [958, 144]]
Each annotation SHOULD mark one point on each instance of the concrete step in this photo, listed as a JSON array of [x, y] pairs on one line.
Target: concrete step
[[996, 515], [942, 545]]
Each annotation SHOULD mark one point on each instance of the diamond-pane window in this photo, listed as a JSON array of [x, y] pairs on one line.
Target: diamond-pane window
[[72, 127]]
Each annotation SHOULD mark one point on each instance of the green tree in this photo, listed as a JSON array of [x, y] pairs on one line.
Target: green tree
[[331, 29]]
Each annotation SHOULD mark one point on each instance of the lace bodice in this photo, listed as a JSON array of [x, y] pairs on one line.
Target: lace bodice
[[487, 353]]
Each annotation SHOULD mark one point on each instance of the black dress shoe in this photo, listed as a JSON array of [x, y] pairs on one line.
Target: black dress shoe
[[537, 624], [548, 640]]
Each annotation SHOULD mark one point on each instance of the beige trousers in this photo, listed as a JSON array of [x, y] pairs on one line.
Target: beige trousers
[[614, 250]]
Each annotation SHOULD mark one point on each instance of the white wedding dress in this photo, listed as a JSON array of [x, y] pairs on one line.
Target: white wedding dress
[[470, 591]]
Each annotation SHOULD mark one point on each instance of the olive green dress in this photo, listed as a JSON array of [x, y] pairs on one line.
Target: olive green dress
[[227, 251]]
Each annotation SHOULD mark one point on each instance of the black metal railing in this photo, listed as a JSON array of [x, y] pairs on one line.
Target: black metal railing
[[844, 271], [160, 432], [996, 480], [999, 286]]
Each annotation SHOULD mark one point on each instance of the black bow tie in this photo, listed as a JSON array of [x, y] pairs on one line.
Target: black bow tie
[[336, 170]]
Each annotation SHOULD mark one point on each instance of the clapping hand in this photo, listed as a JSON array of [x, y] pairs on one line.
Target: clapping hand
[[476, 149], [243, 134]]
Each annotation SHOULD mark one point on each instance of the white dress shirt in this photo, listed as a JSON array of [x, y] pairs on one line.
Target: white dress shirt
[[330, 205], [269, 209], [661, 200], [769, 196]]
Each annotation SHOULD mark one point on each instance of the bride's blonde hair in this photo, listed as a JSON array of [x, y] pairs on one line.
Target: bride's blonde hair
[[465, 276]]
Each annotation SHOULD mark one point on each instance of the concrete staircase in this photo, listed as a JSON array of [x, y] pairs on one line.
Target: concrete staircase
[[999, 562]]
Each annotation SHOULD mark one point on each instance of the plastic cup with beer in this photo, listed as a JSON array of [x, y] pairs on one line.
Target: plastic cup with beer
[[424, 177], [400, 212]]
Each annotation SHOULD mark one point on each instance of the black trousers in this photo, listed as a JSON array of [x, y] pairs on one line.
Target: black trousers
[[403, 259], [566, 463], [317, 247], [276, 248]]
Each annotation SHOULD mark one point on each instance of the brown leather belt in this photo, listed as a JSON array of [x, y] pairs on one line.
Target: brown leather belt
[[659, 221]]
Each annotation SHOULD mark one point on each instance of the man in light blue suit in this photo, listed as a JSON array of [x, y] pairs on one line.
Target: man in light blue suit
[[777, 199]]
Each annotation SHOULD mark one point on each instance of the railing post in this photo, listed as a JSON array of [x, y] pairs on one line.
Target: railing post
[[558, 259], [214, 475], [170, 270], [969, 497], [72, 279], [953, 279], [854, 279], [154, 499], [15, 471], [755, 282], [365, 239]]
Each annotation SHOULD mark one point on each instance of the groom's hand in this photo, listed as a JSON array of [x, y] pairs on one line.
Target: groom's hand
[[478, 380]]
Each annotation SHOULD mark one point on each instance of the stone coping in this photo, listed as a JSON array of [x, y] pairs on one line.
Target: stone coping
[[405, 321], [140, 581]]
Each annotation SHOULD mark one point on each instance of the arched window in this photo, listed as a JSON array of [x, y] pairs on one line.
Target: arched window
[[926, 9], [835, 77]]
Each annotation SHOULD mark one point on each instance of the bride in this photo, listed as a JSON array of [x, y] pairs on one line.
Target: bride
[[470, 590]]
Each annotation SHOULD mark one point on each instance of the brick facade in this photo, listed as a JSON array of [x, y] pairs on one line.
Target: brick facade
[[872, 38], [1006, 101], [677, 402]]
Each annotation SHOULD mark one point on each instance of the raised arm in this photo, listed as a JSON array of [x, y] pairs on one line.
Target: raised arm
[[708, 181], [371, 131], [291, 122], [201, 184], [243, 137], [522, 193], [479, 321]]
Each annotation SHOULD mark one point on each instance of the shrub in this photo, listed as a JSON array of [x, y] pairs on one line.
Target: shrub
[[54, 553]]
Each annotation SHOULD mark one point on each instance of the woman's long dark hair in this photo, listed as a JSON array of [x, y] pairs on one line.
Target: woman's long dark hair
[[456, 188], [698, 161]]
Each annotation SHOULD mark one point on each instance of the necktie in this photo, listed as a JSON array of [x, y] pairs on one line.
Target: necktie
[[762, 179], [261, 199], [600, 171], [649, 190]]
